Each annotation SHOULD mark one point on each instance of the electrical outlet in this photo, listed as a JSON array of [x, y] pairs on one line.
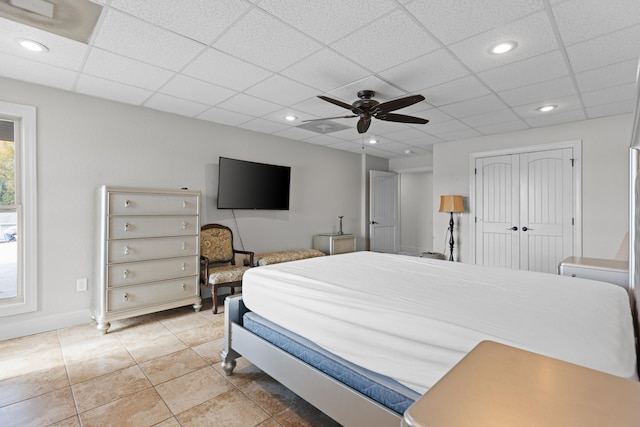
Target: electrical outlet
[[81, 285]]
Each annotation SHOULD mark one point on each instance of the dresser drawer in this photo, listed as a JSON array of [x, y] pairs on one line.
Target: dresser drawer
[[131, 227], [151, 271], [131, 297], [156, 204], [154, 248]]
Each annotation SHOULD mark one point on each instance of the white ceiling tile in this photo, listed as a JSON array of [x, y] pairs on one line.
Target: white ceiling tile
[[196, 90], [496, 128], [121, 69], [442, 128], [281, 90], [107, 89], [611, 75], [322, 140], [460, 134], [264, 126], [347, 134], [152, 44], [201, 20], [468, 87], [175, 105], [224, 70], [451, 21], [526, 72], [605, 50], [405, 133], [624, 92], [533, 34], [279, 116], [251, 105], [348, 145], [435, 115], [580, 20], [219, 115], [490, 118], [263, 40], [429, 70], [328, 20], [567, 103], [63, 52], [295, 133], [396, 39], [325, 70], [475, 106], [623, 107], [539, 93], [554, 119], [36, 72]]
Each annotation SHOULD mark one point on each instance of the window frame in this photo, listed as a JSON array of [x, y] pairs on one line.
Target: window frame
[[24, 118]]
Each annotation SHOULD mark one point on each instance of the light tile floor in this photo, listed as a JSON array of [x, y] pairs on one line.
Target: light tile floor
[[160, 370]]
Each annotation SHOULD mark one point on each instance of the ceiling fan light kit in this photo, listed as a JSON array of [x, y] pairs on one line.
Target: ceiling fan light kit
[[366, 108]]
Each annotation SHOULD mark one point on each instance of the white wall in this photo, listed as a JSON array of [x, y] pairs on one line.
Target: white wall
[[85, 142], [605, 143]]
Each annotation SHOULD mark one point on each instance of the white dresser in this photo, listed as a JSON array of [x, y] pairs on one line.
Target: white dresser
[[148, 252]]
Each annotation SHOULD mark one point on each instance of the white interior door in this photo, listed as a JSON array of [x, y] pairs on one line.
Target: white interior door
[[383, 211], [525, 209], [497, 188]]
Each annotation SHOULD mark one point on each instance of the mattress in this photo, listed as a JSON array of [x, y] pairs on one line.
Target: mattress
[[412, 319], [383, 390]]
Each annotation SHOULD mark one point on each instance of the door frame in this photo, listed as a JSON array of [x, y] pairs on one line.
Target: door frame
[[576, 145]]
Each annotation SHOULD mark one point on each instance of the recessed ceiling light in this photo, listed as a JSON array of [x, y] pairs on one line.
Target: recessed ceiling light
[[290, 118], [546, 108], [373, 141], [408, 152], [33, 46], [503, 47]]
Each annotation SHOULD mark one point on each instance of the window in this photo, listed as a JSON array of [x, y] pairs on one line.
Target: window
[[18, 263]]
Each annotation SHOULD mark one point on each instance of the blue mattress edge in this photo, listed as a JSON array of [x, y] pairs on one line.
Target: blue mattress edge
[[382, 389]]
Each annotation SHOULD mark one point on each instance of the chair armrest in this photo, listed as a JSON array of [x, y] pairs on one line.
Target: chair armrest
[[250, 253]]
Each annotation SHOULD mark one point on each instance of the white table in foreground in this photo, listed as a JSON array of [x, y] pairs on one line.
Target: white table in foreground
[[501, 386]]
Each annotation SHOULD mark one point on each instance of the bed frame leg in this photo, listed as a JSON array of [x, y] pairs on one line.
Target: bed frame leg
[[234, 309]]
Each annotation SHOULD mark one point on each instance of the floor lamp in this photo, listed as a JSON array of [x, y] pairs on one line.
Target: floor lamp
[[451, 204]]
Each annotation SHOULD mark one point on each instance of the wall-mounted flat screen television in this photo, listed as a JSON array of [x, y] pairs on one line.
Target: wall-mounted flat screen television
[[250, 185]]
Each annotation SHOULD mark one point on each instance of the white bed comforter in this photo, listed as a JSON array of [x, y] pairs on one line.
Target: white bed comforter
[[413, 318]]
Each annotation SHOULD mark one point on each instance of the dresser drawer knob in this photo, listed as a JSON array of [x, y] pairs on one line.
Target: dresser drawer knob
[[125, 297], [184, 205], [126, 226], [184, 246], [184, 266], [125, 274], [184, 225], [126, 250], [184, 287], [127, 203]]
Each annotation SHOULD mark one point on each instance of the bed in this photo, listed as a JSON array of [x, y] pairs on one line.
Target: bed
[[392, 325]]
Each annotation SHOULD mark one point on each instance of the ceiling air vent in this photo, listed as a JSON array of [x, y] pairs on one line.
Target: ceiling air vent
[[324, 127]]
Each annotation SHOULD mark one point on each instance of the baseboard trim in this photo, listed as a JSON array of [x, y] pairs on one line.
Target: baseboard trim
[[23, 328]]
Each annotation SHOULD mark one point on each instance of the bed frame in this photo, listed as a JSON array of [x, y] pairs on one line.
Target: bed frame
[[340, 402]]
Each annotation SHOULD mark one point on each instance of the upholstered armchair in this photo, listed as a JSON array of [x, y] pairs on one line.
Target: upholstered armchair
[[218, 267]]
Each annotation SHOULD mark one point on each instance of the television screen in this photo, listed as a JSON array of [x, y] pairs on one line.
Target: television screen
[[250, 185]]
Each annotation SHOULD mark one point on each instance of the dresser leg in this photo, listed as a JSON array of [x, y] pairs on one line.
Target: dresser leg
[[103, 327], [197, 306]]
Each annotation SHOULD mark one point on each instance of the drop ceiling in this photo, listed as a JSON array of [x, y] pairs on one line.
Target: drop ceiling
[[248, 64]]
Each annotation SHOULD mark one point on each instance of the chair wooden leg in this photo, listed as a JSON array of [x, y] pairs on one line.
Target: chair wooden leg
[[214, 297]]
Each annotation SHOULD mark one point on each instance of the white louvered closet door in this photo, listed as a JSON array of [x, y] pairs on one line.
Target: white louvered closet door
[[524, 205]]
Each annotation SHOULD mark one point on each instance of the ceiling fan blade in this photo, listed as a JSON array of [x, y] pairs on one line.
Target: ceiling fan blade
[[340, 104], [363, 124], [397, 104], [401, 118], [329, 118]]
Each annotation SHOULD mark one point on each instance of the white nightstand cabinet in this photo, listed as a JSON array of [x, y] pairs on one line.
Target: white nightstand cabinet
[[148, 252], [332, 244]]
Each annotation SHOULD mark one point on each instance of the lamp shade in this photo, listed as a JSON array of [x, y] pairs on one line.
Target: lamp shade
[[451, 204]]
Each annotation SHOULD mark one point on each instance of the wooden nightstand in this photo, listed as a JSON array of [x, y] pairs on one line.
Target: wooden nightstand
[[501, 386]]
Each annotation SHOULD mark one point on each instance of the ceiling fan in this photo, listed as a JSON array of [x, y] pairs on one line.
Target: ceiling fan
[[366, 108]]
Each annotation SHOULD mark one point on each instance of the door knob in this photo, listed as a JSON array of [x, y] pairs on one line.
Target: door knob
[[525, 228], [373, 222], [514, 228]]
